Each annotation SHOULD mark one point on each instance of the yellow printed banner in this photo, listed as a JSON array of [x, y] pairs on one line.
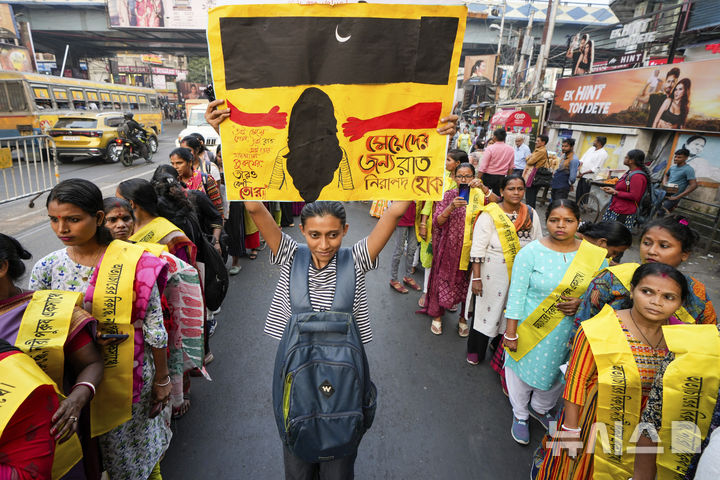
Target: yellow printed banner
[[335, 102], [506, 233], [690, 389], [19, 377], [112, 307], [619, 395], [546, 316], [157, 229], [44, 329]]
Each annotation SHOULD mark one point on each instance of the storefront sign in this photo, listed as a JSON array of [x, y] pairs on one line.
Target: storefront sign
[[670, 97], [165, 71], [154, 59], [633, 34], [621, 62], [133, 69]]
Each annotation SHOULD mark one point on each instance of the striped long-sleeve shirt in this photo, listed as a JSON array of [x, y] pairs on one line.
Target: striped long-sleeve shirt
[[321, 286]]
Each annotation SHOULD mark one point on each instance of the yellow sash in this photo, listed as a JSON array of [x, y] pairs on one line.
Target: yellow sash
[[154, 231], [624, 273], [19, 377], [472, 210], [506, 233], [44, 329], [112, 307], [546, 316], [690, 388], [154, 248], [619, 395]]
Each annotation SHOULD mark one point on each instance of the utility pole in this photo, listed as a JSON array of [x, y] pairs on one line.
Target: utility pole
[[500, 39], [524, 61], [541, 63]]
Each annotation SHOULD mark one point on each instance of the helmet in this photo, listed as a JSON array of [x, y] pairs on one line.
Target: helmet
[[128, 116]]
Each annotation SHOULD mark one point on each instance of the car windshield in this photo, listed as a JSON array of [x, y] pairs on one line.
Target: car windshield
[[197, 118], [76, 123]]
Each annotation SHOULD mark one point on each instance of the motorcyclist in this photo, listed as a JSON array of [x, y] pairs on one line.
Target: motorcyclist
[[133, 128]]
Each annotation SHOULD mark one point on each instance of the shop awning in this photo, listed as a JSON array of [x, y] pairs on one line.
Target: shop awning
[[513, 121]]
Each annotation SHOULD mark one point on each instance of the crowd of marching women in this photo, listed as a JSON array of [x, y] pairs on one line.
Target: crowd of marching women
[[604, 356], [98, 353]]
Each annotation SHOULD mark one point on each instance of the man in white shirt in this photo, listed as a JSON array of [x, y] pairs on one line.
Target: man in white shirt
[[590, 163], [522, 152]]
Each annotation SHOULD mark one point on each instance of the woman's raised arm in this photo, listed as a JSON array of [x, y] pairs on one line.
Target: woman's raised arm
[[266, 224]]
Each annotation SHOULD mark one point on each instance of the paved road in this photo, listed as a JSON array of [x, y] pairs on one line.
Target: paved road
[[438, 417], [30, 225]]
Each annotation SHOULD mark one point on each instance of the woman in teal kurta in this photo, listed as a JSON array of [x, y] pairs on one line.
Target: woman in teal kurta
[[535, 381]]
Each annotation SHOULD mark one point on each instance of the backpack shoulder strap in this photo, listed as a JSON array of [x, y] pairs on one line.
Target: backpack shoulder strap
[[299, 292], [344, 282]]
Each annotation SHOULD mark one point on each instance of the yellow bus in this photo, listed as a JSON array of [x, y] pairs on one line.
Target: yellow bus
[[31, 103]]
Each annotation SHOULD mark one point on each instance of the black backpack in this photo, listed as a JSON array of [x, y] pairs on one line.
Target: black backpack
[[647, 201], [323, 398]]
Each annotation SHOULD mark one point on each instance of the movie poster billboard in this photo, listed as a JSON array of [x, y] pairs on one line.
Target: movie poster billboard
[[191, 91], [580, 54], [175, 14], [324, 111], [670, 97]]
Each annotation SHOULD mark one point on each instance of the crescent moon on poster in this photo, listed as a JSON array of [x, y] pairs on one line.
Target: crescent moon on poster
[[339, 38]]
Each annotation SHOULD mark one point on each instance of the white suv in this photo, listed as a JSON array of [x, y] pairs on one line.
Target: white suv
[[196, 124]]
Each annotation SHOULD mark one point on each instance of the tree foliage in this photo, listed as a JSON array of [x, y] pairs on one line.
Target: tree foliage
[[196, 69]]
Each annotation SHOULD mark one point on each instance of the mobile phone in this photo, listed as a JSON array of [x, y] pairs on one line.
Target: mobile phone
[[210, 92], [113, 336], [464, 192]]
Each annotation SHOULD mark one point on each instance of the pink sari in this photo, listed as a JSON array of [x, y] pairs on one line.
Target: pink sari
[[149, 271]]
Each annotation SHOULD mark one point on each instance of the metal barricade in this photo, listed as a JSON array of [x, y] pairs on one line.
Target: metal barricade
[[28, 167]]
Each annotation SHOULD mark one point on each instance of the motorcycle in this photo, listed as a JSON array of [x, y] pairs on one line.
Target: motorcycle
[[123, 149]]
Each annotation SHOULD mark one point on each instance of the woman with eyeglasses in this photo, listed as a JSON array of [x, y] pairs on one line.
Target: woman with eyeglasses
[[452, 224]]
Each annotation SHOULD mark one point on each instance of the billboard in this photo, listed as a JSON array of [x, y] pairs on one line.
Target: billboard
[[175, 14], [15, 58], [478, 75], [580, 54], [670, 97], [335, 102], [191, 91]]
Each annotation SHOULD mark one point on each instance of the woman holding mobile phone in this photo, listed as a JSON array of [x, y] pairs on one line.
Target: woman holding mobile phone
[[121, 285], [453, 222], [80, 364]]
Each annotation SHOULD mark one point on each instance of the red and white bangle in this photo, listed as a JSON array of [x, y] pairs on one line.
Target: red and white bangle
[[85, 384]]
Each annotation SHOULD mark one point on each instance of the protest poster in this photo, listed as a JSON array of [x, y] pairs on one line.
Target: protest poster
[[335, 102]]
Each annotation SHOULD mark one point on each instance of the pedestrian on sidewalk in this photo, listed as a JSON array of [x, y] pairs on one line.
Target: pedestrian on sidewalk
[[498, 160], [590, 163], [522, 152], [536, 161], [405, 246], [564, 176]]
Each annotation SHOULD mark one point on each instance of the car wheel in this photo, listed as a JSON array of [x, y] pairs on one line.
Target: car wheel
[[113, 153], [153, 143]]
